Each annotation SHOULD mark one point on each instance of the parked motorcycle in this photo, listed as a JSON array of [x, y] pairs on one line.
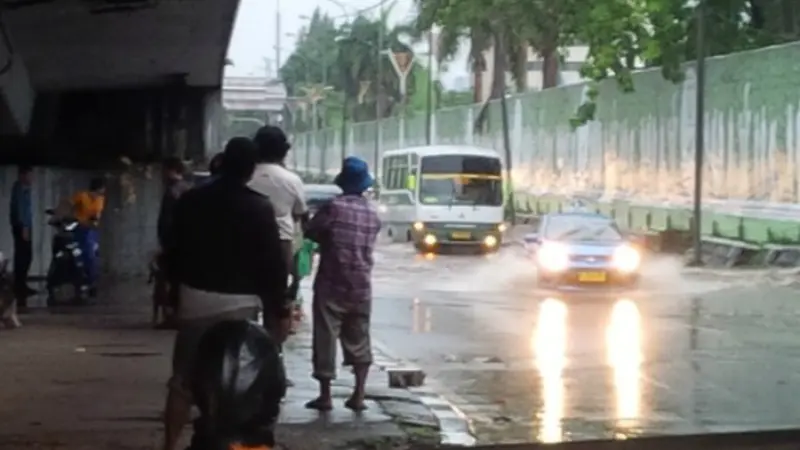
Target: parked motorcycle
[[66, 277], [238, 383]]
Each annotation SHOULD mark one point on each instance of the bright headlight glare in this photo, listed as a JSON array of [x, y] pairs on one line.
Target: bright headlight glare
[[418, 226], [502, 227], [490, 241], [553, 257], [429, 240], [626, 259]]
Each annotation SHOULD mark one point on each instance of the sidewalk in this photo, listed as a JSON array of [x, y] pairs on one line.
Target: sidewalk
[[95, 379]]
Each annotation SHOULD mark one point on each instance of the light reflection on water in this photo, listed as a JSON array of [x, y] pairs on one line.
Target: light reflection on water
[[624, 357], [550, 345], [624, 351], [421, 317]]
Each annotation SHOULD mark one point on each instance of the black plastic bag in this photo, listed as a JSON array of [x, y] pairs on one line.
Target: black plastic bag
[[238, 383]]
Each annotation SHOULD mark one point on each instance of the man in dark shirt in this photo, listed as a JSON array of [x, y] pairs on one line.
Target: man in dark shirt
[[173, 170], [224, 251], [174, 186], [21, 218]]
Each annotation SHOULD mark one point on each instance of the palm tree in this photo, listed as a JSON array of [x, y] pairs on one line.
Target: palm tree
[[358, 63], [510, 51]]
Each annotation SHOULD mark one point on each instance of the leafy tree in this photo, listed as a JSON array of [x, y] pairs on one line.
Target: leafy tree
[[496, 24], [314, 58], [343, 58], [313, 62], [358, 63], [622, 35]]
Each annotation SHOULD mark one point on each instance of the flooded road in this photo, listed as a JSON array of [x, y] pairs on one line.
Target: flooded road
[[687, 352]]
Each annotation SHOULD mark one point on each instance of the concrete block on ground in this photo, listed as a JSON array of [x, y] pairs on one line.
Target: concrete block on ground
[[405, 377]]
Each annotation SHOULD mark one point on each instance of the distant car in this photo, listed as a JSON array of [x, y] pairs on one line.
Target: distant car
[[583, 249], [200, 178], [319, 194]]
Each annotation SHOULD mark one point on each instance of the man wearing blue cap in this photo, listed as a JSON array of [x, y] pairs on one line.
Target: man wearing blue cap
[[346, 229]]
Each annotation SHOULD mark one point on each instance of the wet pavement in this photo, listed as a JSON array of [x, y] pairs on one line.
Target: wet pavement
[[690, 351], [95, 378]]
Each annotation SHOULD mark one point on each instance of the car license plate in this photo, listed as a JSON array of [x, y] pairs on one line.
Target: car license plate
[[461, 235], [592, 277]]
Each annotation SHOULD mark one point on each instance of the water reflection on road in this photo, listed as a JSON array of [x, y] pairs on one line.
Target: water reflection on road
[[422, 317], [550, 349], [685, 353], [624, 348]]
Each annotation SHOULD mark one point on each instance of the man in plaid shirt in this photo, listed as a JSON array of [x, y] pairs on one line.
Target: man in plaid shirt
[[346, 230]]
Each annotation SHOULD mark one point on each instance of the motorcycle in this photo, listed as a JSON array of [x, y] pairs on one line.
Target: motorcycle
[[66, 276], [238, 384]]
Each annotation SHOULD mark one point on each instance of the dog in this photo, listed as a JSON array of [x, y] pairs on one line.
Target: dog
[[8, 302]]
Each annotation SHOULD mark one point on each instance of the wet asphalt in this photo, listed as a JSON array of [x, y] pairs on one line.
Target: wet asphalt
[[689, 351]]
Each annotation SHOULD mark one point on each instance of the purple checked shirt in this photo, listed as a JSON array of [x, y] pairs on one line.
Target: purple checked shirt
[[346, 229]]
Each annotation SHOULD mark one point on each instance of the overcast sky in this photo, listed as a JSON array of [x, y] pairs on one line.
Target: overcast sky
[[254, 37]]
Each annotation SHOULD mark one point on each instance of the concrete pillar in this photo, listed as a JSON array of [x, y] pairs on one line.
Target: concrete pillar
[[214, 115], [17, 95]]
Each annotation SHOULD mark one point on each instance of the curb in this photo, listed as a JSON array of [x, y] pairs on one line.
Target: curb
[[455, 428]]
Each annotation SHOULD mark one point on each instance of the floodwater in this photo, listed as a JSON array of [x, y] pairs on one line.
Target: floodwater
[[689, 351]]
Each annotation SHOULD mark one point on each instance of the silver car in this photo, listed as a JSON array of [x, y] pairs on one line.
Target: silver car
[[319, 194], [583, 249]]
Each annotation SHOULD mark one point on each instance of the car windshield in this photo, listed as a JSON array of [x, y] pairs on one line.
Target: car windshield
[[456, 190], [581, 228]]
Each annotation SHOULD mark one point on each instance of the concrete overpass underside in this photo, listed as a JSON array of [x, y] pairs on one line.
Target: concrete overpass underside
[[67, 56], [84, 83]]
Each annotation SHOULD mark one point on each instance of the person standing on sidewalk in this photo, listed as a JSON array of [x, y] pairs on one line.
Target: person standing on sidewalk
[[223, 250], [173, 171], [284, 189], [21, 215], [346, 230]]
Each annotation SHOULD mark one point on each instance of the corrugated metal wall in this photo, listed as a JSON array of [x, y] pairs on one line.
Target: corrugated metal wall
[[128, 235]]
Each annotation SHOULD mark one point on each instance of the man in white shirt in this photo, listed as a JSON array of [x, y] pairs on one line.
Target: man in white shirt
[[283, 187]]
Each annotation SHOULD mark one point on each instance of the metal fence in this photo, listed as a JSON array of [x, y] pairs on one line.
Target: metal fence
[[639, 148]]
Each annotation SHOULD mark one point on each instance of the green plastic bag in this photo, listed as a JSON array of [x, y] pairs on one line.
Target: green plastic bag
[[305, 258]]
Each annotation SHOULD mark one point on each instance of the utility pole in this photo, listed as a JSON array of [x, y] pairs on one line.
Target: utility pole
[[499, 51], [429, 96], [314, 130], [379, 98], [343, 133], [699, 143], [278, 35]]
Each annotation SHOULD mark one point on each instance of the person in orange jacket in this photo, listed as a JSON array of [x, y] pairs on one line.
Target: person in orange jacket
[[87, 208]]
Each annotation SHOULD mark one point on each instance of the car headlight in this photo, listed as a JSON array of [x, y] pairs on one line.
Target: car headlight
[[490, 241], [418, 226], [626, 259], [429, 240], [502, 227], [553, 257]]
